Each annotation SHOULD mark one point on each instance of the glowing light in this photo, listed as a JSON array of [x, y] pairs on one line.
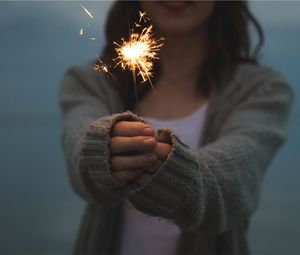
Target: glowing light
[[143, 17], [101, 67], [138, 53], [87, 11]]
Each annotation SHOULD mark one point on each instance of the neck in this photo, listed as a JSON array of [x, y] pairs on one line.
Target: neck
[[182, 57]]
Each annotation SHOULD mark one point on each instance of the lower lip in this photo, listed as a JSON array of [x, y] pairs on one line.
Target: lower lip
[[175, 7]]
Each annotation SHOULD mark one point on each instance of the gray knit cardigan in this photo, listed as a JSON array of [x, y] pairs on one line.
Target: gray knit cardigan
[[210, 194]]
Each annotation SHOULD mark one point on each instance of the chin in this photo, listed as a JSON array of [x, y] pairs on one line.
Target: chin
[[178, 17]]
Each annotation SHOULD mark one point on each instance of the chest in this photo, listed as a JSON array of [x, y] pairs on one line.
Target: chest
[[189, 128], [169, 104]]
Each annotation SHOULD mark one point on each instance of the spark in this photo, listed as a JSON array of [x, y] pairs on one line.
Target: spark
[[101, 67], [81, 32], [87, 12], [143, 17], [138, 53]]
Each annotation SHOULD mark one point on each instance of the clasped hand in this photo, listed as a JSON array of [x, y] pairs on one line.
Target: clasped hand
[[135, 154]]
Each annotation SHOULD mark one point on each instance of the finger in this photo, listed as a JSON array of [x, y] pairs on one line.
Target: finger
[[132, 128], [122, 144], [122, 163], [124, 176], [143, 179], [153, 169], [162, 150]]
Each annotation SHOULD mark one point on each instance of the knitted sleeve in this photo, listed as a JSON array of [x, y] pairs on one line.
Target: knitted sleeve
[[219, 185], [87, 107]]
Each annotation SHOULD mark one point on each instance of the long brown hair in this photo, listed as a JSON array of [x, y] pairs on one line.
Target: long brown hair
[[229, 45]]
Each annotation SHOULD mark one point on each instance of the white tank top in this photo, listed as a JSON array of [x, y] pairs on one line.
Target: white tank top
[[147, 235]]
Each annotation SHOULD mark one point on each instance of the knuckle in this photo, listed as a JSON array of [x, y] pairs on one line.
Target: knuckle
[[148, 142], [138, 142], [132, 174], [139, 126], [119, 124], [112, 142], [116, 128], [115, 163], [149, 159]]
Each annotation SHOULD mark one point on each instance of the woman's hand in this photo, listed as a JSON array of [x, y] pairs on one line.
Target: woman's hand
[[162, 151], [135, 152]]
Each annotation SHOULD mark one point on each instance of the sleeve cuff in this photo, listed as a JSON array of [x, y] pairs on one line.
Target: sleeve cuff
[[174, 190], [95, 159]]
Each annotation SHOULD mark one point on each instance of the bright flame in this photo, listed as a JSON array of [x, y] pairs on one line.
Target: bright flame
[[87, 12], [138, 53]]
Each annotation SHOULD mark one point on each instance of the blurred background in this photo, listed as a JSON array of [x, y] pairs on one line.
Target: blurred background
[[38, 41]]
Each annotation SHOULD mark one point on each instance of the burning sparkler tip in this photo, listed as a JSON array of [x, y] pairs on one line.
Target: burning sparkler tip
[[138, 53]]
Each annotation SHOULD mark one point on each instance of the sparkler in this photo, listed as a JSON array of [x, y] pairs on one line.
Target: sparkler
[[139, 52]]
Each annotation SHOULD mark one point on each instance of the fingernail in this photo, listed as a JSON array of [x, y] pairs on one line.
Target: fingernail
[[149, 142], [148, 131]]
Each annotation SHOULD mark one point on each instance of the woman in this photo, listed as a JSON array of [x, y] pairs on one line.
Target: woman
[[191, 162]]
